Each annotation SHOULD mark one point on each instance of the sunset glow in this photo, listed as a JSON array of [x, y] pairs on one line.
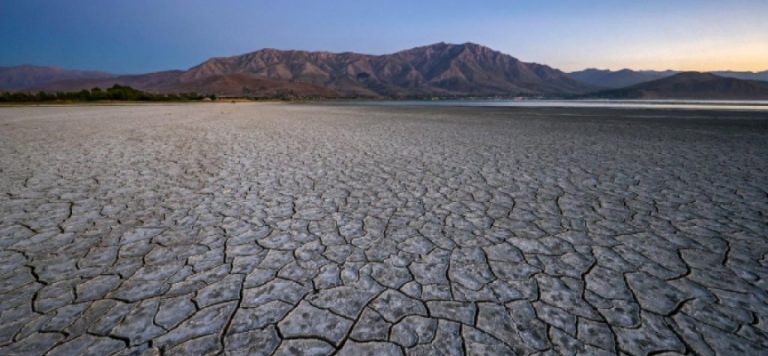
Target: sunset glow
[[142, 36]]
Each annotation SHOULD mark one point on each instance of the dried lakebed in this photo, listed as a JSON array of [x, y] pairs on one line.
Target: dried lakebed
[[280, 229]]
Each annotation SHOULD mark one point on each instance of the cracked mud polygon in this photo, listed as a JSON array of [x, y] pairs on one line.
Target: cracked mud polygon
[[275, 228]]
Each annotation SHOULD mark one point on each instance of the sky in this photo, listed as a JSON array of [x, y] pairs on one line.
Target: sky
[[140, 36]]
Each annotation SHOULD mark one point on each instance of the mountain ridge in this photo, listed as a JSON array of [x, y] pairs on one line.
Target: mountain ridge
[[436, 70], [440, 69]]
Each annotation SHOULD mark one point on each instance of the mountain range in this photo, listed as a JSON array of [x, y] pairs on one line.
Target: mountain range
[[437, 70]]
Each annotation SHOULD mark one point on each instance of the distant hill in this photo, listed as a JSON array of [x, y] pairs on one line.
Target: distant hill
[[239, 84], [440, 69], [618, 79], [761, 76], [690, 85], [27, 76], [150, 81], [609, 79]]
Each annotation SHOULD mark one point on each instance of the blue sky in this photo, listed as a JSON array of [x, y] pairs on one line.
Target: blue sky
[[142, 35]]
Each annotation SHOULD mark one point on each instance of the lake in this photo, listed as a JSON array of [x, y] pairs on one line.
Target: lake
[[752, 105]]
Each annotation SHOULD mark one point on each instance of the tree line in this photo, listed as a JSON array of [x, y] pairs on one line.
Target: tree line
[[115, 93]]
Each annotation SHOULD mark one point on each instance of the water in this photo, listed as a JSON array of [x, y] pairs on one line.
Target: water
[[752, 105]]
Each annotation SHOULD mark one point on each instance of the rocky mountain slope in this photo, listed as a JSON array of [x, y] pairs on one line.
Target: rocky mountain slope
[[440, 69], [437, 70]]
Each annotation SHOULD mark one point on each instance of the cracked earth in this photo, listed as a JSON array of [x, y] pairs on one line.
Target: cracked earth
[[298, 229]]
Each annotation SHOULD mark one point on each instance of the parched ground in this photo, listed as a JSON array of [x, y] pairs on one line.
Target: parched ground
[[274, 228]]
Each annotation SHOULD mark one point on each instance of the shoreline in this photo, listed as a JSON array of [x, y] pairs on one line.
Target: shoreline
[[656, 104]]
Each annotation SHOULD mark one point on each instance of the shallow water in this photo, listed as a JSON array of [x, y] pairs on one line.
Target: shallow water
[[752, 105]]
